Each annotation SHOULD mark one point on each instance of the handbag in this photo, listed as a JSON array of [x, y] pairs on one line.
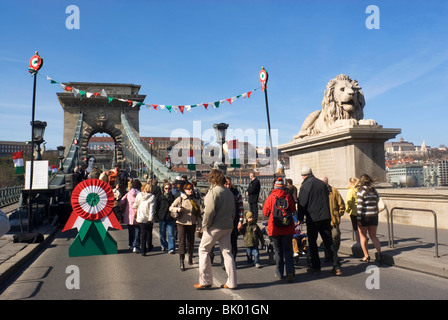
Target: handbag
[[381, 204], [175, 215]]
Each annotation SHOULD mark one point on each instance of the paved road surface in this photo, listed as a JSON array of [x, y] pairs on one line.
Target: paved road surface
[[130, 276]]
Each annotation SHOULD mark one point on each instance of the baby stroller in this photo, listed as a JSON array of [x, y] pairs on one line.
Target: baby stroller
[[269, 245], [298, 241]]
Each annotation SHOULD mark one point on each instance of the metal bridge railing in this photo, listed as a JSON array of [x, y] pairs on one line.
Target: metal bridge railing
[[391, 228], [10, 195]]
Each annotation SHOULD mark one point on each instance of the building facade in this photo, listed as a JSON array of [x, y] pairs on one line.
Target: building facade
[[405, 148], [406, 175], [443, 173], [7, 148]]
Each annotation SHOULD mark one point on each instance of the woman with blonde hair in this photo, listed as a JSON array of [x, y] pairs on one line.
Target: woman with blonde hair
[[351, 203], [145, 204], [367, 214]]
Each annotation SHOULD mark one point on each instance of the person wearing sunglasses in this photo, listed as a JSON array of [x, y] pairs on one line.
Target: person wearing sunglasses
[[166, 222], [187, 211]]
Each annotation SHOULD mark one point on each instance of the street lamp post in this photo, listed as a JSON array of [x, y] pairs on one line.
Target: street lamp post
[[220, 131], [168, 157], [36, 62], [38, 136], [38, 129]]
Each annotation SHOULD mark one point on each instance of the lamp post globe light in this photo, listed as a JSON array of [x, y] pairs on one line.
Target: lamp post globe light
[[220, 131], [61, 151], [38, 136]]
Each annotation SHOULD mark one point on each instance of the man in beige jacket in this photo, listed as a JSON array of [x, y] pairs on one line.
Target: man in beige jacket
[[337, 210], [217, 225]]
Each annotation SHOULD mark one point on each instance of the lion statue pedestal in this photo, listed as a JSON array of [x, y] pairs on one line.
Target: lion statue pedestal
[[336, 141]]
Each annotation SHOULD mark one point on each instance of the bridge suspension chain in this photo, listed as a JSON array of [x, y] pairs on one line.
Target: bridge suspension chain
[[159, 169]]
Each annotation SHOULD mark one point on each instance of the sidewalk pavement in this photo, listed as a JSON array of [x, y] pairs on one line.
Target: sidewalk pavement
[[414, 248], [14, 256]]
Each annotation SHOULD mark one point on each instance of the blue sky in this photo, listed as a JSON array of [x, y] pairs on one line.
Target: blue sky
[[189, 52]]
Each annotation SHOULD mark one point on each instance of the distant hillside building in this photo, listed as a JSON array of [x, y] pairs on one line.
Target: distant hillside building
[[8, 147], [101, 143], [405, 148]]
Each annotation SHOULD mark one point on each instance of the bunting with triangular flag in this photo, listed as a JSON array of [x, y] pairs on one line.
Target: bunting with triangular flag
[[132, 103]]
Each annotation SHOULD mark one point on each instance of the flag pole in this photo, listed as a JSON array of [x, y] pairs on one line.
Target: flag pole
[[30, 194], [264, 86], [33, 69]]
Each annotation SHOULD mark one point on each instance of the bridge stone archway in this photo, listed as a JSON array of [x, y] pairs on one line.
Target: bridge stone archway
[[100, 115]]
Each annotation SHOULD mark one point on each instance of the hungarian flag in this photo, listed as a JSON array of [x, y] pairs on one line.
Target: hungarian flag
[[234, 153], [17, 158], [191, 163], [54, 168]]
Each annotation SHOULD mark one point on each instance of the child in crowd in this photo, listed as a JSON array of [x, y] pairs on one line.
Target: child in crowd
[[252, 236], [298, 240]]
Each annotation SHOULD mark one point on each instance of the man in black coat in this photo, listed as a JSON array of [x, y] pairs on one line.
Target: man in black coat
[[313, 203], [253, 191], [166, 222]]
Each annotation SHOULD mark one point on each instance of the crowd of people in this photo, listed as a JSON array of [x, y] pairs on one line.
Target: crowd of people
[[184, 215]]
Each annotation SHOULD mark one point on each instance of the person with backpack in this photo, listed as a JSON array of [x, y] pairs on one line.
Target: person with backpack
[[279, 207]]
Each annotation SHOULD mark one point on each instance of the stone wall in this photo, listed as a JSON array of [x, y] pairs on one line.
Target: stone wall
[[100, 114]]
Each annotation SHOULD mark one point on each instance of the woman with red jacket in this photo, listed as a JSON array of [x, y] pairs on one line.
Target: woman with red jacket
[[281, 235]]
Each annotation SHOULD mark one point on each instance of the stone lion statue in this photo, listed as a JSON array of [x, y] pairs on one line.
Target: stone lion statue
[[343, 104]]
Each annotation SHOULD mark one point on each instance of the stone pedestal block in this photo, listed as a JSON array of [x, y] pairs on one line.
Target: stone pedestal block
[[341, 153]]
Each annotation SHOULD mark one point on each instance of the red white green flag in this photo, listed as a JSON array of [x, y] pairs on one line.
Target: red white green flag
[[19, 166], [234, 153], [191, 162]]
